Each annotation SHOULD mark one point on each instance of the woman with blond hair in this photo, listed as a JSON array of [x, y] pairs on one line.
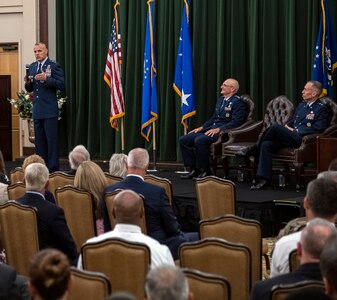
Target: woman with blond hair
[[89, 176], [118, 165]]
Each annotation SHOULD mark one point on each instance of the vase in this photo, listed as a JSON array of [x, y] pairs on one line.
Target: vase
[[31, 132]]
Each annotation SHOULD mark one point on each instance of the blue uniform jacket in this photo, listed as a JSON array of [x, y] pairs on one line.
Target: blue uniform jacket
[[45, 100], [230, 114]]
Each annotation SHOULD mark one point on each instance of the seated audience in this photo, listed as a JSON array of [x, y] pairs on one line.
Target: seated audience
[[128, 211], [118, 165], [12, 286], [34, 158], [161, 221], [309, 248], [167, 282], [3, 177], [50, 276], [328, 265], [89, 176], [320, 202], [53, 228], [78, 155]]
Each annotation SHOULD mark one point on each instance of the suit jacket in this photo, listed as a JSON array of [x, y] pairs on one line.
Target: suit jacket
[[227, 114], [160, 219], [261, 289], [309, 120], [53, 228], [12, 287], [45, 99]]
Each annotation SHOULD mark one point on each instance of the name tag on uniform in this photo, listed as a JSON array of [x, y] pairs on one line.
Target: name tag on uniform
[[310, 116], [228, 108]]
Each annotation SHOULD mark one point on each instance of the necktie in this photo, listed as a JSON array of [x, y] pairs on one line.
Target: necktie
[[39, 69]]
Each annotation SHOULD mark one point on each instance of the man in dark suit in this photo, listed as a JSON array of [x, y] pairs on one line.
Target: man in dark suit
[[230, 111], [313, 239], [45, 77], [161, 221], [310, 117], [52, 225]]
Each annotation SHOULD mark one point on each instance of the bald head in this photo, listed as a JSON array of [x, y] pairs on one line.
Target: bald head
[[128, 208]]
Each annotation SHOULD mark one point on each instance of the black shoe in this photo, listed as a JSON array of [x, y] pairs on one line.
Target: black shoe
[[191, 175], [260, 185], [204, 174], [248, 151]]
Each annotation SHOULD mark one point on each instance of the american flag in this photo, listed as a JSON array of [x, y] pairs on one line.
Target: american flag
[[112, 75]]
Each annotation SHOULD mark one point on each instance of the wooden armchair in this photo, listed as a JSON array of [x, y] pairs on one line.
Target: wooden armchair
[[59, 179], [215, 150], [278, 111], [16, 190], [307, 152], [16, 175], [162, 182]]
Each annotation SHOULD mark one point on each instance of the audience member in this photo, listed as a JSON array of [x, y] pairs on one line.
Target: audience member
[[90, 176], [309, 248], [166, 283], [78, 155], [53, 228], [333, 165], [12, 286], [320, 202], [34, 158], [328, 265], [230, 111], [310, 117], [50, 276], [161, 221], [128, 211], [3, 174], [118, 165]]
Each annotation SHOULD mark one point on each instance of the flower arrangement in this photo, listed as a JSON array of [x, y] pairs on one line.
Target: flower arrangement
[[24, 104]]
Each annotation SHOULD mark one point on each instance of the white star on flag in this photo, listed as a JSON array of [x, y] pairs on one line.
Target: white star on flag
[[184, 97]]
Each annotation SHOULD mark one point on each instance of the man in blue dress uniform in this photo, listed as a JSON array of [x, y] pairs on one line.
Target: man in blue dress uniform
[[311, 116], [230, 111], [44, 78]]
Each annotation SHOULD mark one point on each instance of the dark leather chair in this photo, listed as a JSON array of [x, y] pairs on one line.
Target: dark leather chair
[[300, 157], [215, 150], [278, 111]]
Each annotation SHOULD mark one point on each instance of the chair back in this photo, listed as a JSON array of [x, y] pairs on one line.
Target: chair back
[[112, 179], [278, 111], [238, 230], [281, 291], [162, 182], [125, 263], [19, 234], [109, 201], [215, 197], [250, 107], [16, 190], [88, 285], [79, 211], [218, 256], [293, 260], [16, 175], [59, 179], [332, 107], [207, 286]]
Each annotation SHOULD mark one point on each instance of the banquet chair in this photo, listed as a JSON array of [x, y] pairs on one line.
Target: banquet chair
[[16, 190], [293, 260], [79, 211], [278, 111], [238, 230], [207, 286], [59, 179], [112, 179], [215, 149], [221, 257], [109, 200], [215, 196], [16, 175], [162, 182], [125, 263], [19, 234], [88, 285], [281, 291]]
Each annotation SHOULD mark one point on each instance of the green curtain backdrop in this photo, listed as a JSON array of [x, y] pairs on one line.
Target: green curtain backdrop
[[267, 45]]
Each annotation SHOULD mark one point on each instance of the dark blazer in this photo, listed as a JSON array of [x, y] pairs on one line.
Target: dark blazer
[[261, 289], [12, 287], [227, 114], [160, 219], [45, 99], [53, 228]]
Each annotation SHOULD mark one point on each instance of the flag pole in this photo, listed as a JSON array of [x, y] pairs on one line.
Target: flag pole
[[154, 148]]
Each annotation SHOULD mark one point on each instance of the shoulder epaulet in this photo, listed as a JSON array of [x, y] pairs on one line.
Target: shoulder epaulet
[[237, 97]]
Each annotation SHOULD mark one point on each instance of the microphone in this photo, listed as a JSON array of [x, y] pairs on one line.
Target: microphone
[[27, 69]]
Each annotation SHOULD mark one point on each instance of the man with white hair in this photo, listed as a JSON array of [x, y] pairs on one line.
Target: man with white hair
[[78, 155], [53, 228]]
